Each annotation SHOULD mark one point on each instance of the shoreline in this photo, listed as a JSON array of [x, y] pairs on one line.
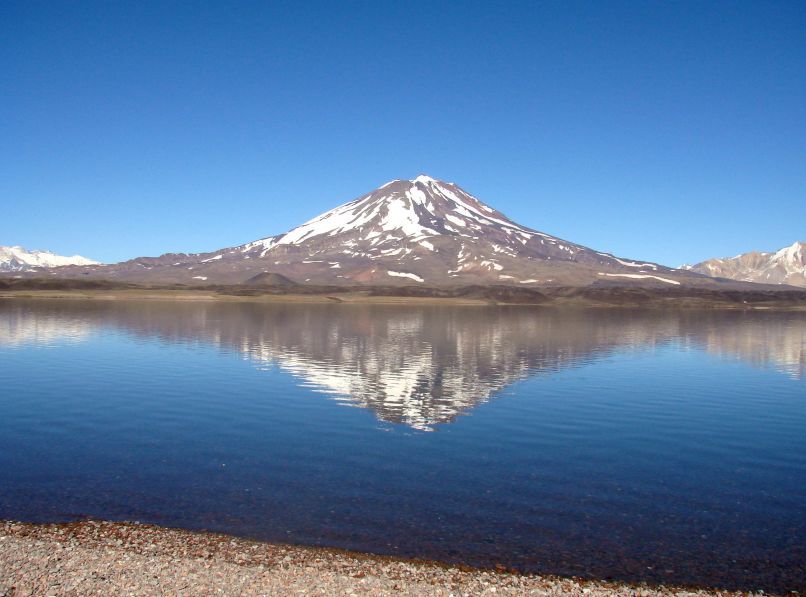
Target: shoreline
[[607, 298], [98, 557], [202, 296]]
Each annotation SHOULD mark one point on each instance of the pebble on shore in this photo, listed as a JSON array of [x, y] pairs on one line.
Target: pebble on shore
[[102, 558]]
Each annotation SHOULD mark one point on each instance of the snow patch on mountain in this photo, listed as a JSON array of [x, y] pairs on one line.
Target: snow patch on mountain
[[639, 277], [406, 275]]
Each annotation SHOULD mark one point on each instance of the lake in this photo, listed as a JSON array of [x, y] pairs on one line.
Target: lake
[[636, 445]]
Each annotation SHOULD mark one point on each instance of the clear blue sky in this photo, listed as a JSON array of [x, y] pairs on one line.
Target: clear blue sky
[[671, 131]]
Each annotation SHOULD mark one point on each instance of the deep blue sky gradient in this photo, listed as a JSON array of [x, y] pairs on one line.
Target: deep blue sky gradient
[[670, 131]]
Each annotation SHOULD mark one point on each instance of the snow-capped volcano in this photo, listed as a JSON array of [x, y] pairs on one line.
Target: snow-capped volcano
[[18, 259], [403, 210], [786, 266], [420, 231], [426, 230], [407, 216]]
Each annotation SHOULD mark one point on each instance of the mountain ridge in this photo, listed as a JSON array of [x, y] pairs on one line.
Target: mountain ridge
[[19, 259], [405, 232], [785, 266]]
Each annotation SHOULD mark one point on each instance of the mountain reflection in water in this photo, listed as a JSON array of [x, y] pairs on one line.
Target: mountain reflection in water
[[419, 366]]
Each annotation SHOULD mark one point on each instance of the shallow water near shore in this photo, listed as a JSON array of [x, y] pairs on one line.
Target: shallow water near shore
[[659, 446]]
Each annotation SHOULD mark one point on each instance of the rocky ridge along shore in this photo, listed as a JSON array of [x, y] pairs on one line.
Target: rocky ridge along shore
[[105, 558]]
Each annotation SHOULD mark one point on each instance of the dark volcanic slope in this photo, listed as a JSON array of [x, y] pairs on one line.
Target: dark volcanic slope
[[421, 231]]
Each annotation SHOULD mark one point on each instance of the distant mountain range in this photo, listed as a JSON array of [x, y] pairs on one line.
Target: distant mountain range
[[410, 232], [18, 259], [406, 232], [787, 266]]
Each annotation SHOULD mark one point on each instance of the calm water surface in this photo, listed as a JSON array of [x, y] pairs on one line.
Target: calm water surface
[[660, 446]]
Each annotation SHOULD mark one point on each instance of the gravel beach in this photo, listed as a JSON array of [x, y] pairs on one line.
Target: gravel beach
[[104, 558]]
